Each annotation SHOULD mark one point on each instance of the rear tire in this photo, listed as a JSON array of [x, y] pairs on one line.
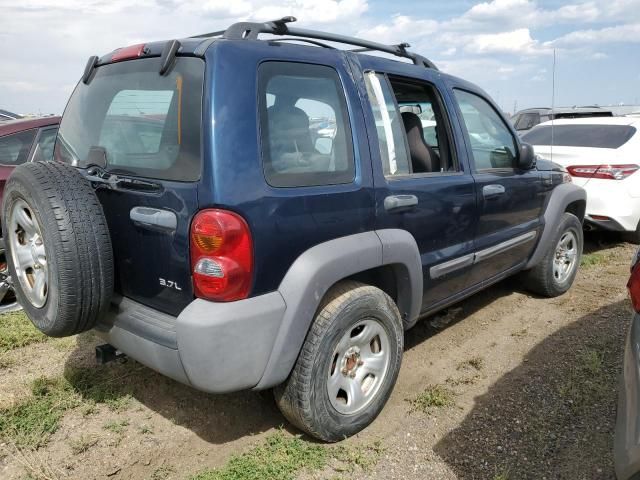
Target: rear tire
[[343, 379], [58, 248], [557, 270]]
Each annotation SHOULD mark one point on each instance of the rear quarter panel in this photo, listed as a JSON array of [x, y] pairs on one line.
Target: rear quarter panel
[[284, 222]]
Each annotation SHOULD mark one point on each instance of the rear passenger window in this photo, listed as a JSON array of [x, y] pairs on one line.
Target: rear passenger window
[[412, 127], [15, 148], [305, 134]]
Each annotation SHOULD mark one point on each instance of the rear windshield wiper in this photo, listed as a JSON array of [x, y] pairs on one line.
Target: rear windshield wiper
[[96, 174]]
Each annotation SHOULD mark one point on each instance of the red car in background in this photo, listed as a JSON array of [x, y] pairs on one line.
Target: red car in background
[[24, 140]]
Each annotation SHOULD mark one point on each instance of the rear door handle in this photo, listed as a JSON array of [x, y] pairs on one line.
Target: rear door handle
[[492, 191], [155, 219], [397, 203]]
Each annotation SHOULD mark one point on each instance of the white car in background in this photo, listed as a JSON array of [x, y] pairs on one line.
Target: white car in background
[[602, 155]]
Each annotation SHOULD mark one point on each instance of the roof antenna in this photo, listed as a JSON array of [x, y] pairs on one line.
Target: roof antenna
[[553, 99]]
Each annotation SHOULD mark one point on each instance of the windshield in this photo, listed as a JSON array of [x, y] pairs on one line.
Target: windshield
[[136, 121], [591, 136]]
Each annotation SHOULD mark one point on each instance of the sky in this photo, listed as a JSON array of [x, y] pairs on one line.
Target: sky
[[505, 46]]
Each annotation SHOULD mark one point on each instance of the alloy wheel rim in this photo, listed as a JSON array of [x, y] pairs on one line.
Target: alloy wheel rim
[[566, 256], [28, 253], [359, 366]]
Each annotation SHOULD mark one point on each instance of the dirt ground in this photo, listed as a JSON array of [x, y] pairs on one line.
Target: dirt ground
[[533, 384]]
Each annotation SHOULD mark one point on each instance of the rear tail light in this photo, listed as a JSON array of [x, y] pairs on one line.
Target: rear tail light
[[127, 53], [221, 256], [605, 172]]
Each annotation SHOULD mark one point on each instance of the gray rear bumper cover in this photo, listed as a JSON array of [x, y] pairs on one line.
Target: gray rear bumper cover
[[214, 347], [254, 343]]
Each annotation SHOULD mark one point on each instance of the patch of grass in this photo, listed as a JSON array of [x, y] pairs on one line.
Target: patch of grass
[[520, 333], [587, 382], [435, 396], [364, 457], [16, 331], [145, 430], [503, 475], [82, 443], [163, 472], [592, 259], [116, 426], [476, 363], [464, 380], [31, 422], [6, 361], [279, 458]]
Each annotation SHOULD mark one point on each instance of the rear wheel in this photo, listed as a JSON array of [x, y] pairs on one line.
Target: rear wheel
[[556, 272], [58, 247], [348, 364]]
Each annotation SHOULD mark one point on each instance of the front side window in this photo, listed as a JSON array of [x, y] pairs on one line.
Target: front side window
[[305, 134], [15, 148], [137, 121], [492, 143]]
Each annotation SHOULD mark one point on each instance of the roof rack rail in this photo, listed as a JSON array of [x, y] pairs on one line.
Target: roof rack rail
[[251, 30]]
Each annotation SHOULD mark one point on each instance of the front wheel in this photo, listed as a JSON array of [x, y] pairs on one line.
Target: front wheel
[[556, 272], [348, 364]]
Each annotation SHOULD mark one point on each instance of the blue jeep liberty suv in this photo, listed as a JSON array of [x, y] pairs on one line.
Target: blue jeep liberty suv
[[256, 208]]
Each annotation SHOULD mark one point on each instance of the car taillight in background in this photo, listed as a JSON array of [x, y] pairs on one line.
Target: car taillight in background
[[605, 172], [221, 256], [634, 283]]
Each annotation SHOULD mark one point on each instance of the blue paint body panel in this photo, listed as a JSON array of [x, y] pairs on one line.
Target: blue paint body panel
[[451, 220]]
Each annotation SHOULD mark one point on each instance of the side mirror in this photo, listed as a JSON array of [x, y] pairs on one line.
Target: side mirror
[[526, 157]]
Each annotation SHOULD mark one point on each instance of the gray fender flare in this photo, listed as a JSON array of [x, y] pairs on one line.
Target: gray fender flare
[[316, 270], [560, 198]]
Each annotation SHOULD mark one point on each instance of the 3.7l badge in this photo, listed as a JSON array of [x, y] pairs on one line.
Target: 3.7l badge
[[169, 284]]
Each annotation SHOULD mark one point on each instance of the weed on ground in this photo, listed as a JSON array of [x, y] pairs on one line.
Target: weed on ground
[[16, 331], [434, 396]]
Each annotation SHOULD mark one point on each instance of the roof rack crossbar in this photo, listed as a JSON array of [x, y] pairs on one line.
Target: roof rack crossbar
[[251, 30]]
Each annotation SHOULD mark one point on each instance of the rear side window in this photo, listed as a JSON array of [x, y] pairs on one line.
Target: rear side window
[[527, 121], [44, 145], [304, 125], [591, 136], [15, 148], [142, 123]]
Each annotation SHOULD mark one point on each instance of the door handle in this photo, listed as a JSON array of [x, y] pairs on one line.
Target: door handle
[[154, 219], [396, 203], [492, 191]]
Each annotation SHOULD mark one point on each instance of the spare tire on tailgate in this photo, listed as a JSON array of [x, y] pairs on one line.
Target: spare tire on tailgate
[[58, 247]]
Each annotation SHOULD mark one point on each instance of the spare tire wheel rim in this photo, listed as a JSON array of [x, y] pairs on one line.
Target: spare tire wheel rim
[[28, 253], [358, 367]]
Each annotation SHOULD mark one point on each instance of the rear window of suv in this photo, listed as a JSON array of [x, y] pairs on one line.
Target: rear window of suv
[[142, 123], [590, 136]]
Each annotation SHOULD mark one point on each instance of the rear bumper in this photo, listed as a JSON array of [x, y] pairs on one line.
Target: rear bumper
[[627, 436], [608, 198], [214, 347]]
